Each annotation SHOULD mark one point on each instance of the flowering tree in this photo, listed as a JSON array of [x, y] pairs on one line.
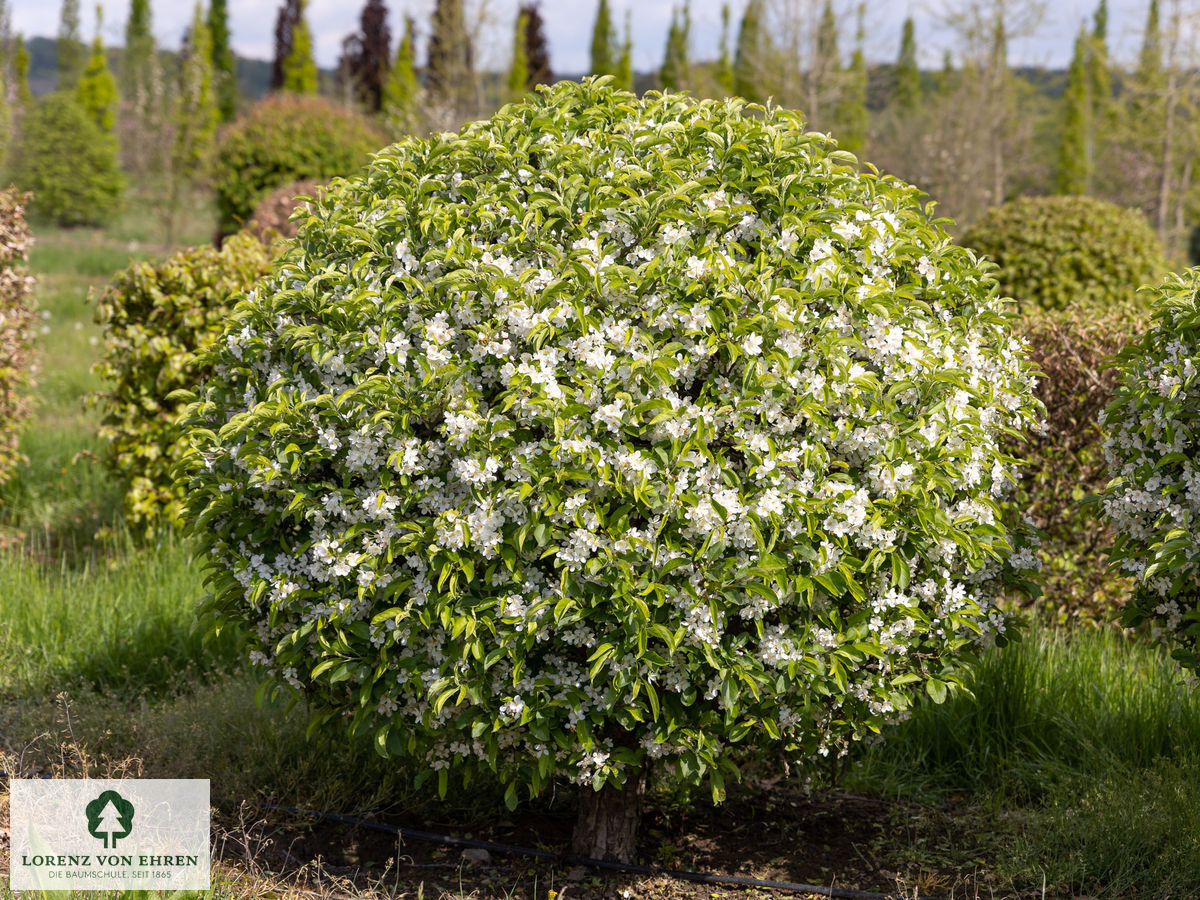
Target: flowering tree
[[1151, 444], [613, 434]]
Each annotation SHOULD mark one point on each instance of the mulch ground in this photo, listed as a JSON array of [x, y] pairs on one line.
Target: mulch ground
[[764, 832]]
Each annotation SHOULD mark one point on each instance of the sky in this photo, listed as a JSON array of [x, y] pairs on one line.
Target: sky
[[569, 26]]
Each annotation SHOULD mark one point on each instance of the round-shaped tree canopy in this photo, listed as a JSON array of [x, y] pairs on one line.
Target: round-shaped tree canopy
[[612, 430], [1067, 252]]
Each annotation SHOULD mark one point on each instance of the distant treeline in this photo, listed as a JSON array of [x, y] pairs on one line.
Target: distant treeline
[[253, 75]]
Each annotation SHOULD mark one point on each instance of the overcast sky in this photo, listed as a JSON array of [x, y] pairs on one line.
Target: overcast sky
[[569, 24]]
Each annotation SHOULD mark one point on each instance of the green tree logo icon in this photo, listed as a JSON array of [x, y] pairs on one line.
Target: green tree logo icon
[[110, 817]]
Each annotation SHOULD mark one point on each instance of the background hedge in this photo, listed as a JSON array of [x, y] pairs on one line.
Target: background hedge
[[156, 317]]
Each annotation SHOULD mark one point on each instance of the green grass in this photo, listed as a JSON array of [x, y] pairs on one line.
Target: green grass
[[121, 623], [1090, 738]]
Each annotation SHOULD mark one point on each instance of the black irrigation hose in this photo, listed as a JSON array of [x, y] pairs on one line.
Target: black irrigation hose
[[570, 859]]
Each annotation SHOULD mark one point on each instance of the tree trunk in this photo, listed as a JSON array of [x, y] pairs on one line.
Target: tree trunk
[[608, 820]]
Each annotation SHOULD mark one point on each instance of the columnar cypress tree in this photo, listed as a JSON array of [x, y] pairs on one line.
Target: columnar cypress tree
[[604, 60], [223, 62], [401, 88], [537, 53], [753, 54], [298, 69], [675, 74], [450, 73], [624, 77], [366, 56], [69, 46], [285, 23], [97, 89], [906, 94], [1073, 174], [518, 71], [724, 75]]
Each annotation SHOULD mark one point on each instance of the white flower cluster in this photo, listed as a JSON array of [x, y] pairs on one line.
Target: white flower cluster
[[1152, 446], [614, 428]]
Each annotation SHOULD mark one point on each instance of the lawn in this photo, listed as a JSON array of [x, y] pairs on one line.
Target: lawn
[[1073, 770]]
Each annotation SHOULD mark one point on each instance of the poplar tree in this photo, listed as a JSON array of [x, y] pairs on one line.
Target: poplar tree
[[518, 72], [851, 110], [139, 48], [7, 94], [1073, 174], [624, 78], [537, 52], [603, 39], [299, 72], [1102, 111], [1146, 107], [21, 73], [906, 94], [675, 74], [753, 54], [724, 75], [824, 81], [223, 62], [450, 73], [69, 46], [1150, 61], [1099, 77], [196, 112], [194, 116], [401, 88], [97, 89]]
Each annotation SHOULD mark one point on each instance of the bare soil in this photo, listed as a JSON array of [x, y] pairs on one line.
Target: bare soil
[[764, 832]]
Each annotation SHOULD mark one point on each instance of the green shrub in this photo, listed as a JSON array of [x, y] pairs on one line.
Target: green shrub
[[155, 319], [16, 324], [68, 162], [284, 139], [613, 430], [1064, 252], [1065, 462], [1152, 445]]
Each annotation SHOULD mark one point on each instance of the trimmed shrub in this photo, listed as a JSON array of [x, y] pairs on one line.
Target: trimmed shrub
[[1065, 462], [608, 432], [16, 324], [273, 217], [1063, 252], [282, 139], [156, 318], [1152, 445], [68, 162]]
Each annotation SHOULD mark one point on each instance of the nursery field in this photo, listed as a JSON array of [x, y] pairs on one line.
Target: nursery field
[[1073, 771]]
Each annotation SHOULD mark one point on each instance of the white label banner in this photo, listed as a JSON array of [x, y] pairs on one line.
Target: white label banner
[[109, 834]]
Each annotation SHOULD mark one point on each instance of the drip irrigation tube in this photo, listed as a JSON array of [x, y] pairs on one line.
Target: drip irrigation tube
[[835, 893]]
